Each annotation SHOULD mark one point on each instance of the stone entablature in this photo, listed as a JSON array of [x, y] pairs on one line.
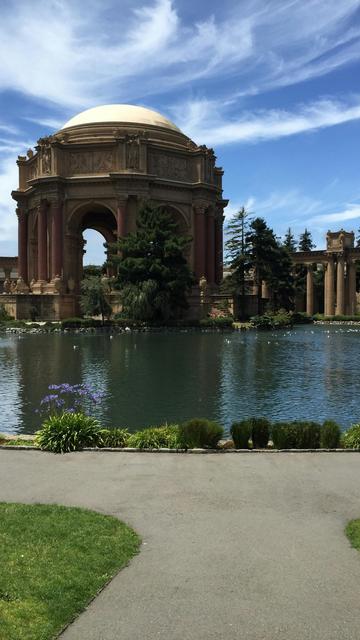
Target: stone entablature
[[96, 176]]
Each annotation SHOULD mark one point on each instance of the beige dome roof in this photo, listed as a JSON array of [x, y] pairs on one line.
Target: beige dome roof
[[121, 113]]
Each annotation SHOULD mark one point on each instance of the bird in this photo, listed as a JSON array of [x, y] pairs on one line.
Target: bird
[[75, 346], [111, 337]]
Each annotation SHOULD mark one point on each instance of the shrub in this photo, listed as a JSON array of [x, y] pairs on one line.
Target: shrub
[[283, 435], [81, 323], [300, 317], [330, 435], [155, 438], [296, 435], [260, 432], [272, 320], [114, 437], [200, 433], [351, 438], [221, 322], [68, 432], [240, 433]]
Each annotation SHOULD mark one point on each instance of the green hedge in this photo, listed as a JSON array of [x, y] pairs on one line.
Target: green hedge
[[319, 316], [298, 434], [222, 322], [200, 433]]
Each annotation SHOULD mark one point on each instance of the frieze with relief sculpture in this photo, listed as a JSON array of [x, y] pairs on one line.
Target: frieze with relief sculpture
[[169, 166]]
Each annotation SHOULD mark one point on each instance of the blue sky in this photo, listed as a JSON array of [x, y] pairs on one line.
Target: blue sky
[[272, 85]]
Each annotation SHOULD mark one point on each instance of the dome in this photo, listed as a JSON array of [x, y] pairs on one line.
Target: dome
[[120, 113]]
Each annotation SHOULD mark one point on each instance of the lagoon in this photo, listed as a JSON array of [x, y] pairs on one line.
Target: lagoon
[[310, 372]]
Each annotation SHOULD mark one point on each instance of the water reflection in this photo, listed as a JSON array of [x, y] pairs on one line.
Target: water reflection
[[152, 378]]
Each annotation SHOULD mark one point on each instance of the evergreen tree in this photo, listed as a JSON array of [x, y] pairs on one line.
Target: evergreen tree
[[270, 262], [306, 242], [94, 300], [152, 272], [281, 280], [237, 253], [289, 241]]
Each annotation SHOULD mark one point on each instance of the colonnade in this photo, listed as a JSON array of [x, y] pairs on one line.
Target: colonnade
[[41, 249], [339, 286], [48, 238]]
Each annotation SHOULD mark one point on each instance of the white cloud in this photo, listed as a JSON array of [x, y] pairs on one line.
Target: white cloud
[[70, 53], [8, 221], [207, 123], [351, 212]]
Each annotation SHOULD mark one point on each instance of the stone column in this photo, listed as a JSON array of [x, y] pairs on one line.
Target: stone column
[[42, 242], [329, 297], [200, 239], [310, 290], [265, 293], [340, 288], [57, 240], [351, 281], [22, 244], [218, 249], [121, 218], [210, 247]]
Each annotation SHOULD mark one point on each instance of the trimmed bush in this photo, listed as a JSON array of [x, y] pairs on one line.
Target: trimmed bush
[[260, 432], [155, 438], [283, 435], [272, 320], [241, 433], [200, 433], [351, 438], [330, 435], [222, 322], [68, 432], [296, 435], [114, 437]]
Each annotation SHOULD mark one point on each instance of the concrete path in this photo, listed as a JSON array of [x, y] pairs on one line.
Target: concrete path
[[246, 546]]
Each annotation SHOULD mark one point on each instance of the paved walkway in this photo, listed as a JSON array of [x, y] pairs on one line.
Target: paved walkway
[[246, 546]]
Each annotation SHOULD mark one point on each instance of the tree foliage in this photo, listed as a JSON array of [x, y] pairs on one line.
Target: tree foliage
[[152, 272], [305, 241], [289, 241], [94, 299], [271, 263], [237, 254]]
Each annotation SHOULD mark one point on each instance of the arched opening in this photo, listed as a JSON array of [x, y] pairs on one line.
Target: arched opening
[[90, 227], [94, 252]]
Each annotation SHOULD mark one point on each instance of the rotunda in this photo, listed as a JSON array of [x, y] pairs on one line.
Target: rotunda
[[93, 174]]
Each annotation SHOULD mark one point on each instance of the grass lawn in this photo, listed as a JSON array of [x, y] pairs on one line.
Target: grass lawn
[[353, 533], [17, 443], [54, 560]]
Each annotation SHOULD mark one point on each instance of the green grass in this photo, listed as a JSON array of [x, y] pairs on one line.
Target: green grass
[[353, 533], [17, 443], [54, 560]]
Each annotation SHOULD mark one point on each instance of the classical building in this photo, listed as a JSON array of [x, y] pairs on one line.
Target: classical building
[[338, 261], [93, 174]]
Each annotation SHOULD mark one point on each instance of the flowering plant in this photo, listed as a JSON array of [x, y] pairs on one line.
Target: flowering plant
[[69, 398]]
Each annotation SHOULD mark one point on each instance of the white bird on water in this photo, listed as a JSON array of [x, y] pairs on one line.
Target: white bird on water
[[75, 347]]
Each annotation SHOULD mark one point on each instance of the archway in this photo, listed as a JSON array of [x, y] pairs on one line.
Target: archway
[[90, 218]]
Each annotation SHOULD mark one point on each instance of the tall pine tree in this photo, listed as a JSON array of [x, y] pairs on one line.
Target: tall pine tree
[[289, 241], [153, 275], [306, 242], [237, 255]]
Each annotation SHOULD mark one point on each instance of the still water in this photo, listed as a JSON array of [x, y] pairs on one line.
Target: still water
[[150, 378]]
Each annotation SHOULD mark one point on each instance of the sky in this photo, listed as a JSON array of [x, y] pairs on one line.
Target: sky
[[272, 85]]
